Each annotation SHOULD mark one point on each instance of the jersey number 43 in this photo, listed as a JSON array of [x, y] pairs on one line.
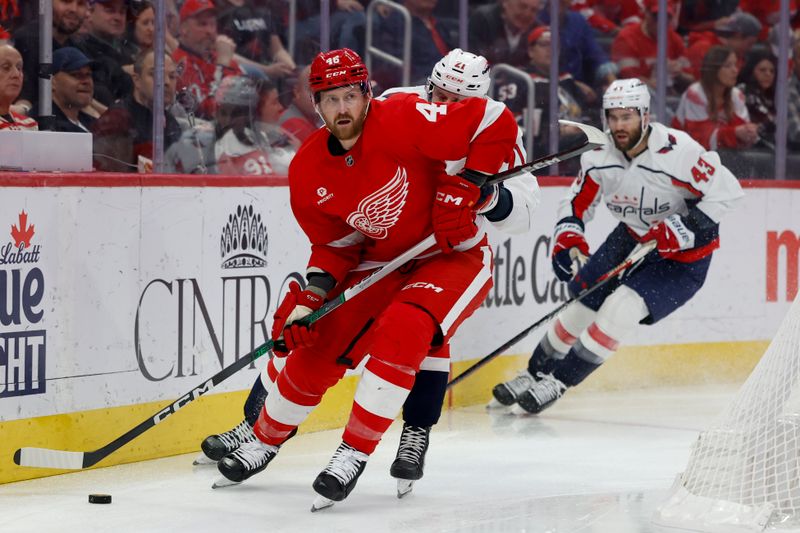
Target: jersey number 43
[[702, 170]]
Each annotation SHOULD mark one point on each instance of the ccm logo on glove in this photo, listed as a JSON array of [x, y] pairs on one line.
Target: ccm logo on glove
[[449, 199]]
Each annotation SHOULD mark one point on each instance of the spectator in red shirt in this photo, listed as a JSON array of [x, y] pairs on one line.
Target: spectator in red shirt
[[206, 57], [635, 49], [738, 32], [768, 12], [705, 15], [608, 16], [300, 118], [713, 110]]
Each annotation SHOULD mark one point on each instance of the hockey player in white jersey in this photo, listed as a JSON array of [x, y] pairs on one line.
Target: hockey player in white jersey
[[510, 208], [661, 185]]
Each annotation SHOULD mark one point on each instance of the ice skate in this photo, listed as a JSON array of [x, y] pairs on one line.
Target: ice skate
[[544, 393], [508, 392], [215, 447], [410, 461], [250, 459], [339, 478]]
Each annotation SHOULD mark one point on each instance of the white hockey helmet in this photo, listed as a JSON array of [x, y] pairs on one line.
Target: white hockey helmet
[[628, 93], [461, 73]]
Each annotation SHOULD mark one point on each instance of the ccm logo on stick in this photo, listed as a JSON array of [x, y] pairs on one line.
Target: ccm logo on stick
[[183, 400], [423, 285]]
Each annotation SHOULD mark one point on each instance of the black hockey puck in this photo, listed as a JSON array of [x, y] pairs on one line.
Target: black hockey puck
[[99, 498]]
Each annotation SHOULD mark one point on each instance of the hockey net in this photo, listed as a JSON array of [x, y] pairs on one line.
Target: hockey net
[[744, 472]]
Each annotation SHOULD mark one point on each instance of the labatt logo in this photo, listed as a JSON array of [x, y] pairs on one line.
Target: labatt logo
[[22, 288], [20, 250]]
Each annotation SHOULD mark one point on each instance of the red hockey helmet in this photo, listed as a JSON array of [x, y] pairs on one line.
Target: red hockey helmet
[[337, 68]]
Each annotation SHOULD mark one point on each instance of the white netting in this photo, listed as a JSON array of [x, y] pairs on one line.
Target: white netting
[[744, 472]]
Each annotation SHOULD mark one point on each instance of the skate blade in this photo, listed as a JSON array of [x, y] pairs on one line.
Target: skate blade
[[494, 405], [202, 460], [404, 487], [320, 503], [224, 482], [517, 410]]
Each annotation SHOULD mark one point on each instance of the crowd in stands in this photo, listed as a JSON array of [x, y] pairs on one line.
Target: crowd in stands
[[237, 101]]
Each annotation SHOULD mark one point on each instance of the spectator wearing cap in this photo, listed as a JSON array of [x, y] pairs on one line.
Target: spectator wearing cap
[[11, 79], [571, 99], [103, 45], [431, 38], [73, 90], [301, 118], [124, 133], [635, 49], [68, 16], [739, 32], [580, 55], [256, 33], [498, 31], [206, 57]]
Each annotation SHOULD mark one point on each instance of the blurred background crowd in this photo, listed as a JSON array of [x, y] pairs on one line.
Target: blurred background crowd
[[235, 71]]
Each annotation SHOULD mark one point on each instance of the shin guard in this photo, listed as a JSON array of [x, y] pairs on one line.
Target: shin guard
[[401, 338]]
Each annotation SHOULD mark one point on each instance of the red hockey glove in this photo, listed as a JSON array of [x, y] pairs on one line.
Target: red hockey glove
[[671, 235], [296, 304], [570, 251], [453, 214]]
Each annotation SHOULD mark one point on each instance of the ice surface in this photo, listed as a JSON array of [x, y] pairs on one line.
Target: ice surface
[[595, 462]]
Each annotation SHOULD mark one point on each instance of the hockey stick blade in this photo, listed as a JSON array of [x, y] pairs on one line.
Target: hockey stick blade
[[636, 255], [72, 460]]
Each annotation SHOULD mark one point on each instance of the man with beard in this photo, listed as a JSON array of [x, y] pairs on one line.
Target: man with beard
[[456, 76], [73, 90], [364, 190], [68, 16], [662, 186]]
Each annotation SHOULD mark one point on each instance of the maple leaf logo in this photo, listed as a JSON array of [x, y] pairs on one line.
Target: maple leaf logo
[[24, 233]]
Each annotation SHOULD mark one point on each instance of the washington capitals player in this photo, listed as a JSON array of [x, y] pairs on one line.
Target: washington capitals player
[[661, 185], [364, 191], [456, 76]]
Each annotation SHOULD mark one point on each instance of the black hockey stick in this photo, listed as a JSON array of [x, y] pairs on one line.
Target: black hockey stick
[[594, 139], [49, 458], [637, 255]]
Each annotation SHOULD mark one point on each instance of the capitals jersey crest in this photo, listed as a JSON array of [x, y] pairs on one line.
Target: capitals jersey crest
[[380, 210]]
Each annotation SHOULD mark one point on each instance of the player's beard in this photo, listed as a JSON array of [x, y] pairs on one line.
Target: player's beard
[[630, 142], [348, 131]]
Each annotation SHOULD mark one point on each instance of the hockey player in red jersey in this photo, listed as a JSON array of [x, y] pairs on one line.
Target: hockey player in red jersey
[[661, 185], [365, 190], [510, 208]]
